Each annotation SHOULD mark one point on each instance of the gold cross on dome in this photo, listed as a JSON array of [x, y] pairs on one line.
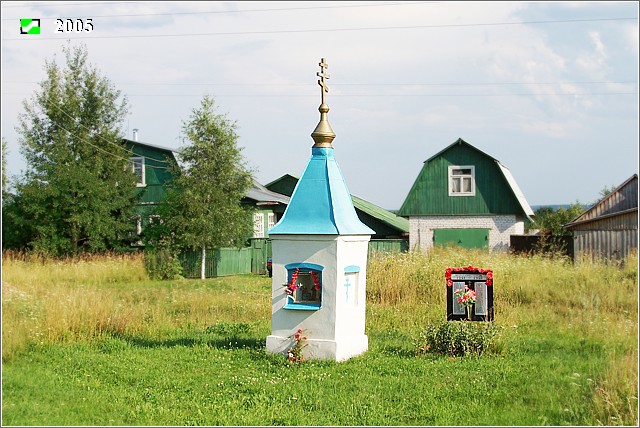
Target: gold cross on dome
[[322, 74]]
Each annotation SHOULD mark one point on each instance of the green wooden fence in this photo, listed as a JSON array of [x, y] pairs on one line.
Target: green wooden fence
[[388, 245], [253, 259], [261, 251], [219, 262]]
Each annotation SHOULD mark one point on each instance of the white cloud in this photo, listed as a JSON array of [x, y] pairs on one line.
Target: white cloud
[[594, 62], [487, 83], [632, 34]]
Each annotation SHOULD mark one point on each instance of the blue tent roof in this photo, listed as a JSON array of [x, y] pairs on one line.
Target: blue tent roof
[[321, 203]]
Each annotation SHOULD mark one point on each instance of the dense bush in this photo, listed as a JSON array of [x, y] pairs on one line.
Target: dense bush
[[459, 338], [162, 263]]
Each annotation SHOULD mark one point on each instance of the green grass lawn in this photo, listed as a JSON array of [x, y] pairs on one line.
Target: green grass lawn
[[192, 353], [199, 378]]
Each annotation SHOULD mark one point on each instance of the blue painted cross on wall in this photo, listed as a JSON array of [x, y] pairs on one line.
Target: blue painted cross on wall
[[349, 273], [346, 286]]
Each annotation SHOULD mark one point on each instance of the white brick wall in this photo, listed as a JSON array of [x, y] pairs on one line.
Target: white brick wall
[[500, 229]]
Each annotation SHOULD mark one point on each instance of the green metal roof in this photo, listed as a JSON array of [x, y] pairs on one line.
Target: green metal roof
[[400, 223], [152, 146], [287, 183]]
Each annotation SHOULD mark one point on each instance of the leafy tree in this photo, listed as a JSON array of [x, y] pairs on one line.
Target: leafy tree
[[77, 192], [553, 239], [548, 219], [203, 206], [14, 230]]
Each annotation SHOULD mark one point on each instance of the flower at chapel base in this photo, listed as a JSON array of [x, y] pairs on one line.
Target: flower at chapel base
[[294, 354]]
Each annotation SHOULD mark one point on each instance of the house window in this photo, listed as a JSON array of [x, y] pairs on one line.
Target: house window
[[258, 225], [304, 286], [271, 220], [137, 166], [462, 181]]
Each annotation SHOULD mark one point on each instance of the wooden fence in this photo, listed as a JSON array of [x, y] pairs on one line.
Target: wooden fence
[[541, 244], [253, 259], [218, 262], [388, 245]]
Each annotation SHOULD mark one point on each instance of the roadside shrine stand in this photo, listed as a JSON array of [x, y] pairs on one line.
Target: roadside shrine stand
[[476, 279], [320, 259]]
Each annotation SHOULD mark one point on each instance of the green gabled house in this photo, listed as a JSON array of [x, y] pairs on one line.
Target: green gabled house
[[385, 224], [151, 164], [463, 196], [269, 208]]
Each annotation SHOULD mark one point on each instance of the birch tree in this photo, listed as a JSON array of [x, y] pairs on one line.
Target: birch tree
[[203, 209]]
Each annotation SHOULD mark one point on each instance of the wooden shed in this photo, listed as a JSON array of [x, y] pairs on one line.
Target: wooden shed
[[609, 229], [464, 197]]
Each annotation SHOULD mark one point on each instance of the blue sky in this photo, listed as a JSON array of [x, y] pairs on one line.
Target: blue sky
[[550, 89]]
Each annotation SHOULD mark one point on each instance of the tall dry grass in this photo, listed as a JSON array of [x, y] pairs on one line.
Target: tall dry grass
[[48, 301], [591, 301], [535, 281]]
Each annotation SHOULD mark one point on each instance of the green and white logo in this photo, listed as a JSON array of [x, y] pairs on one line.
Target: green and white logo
[[29, 26]]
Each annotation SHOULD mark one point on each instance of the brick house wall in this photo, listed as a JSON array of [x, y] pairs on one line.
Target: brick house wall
[[500, 227]]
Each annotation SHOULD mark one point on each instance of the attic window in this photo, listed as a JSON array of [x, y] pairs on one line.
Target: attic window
[[137, 166], [462, 180]]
